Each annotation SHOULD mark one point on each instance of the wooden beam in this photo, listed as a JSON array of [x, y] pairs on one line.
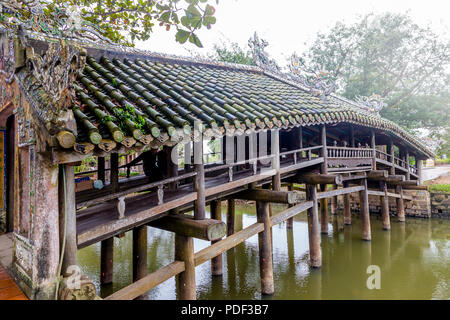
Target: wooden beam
[[206, 229], [288, 197], [290, 212], [377, 174], [315, 254], [148, 282], [318, 178], [337, 192], [425, 188], [265, 249], [216, 214], [405, 183]]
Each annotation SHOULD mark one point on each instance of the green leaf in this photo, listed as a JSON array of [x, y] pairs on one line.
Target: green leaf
[[194, 11], [182, 36], [195, 40]]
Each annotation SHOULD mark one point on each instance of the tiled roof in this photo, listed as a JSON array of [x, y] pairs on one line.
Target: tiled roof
[[139, 101]]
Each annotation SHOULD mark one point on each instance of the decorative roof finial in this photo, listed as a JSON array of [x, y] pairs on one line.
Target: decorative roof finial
[[319, 83], [373, 104], [260, 56]]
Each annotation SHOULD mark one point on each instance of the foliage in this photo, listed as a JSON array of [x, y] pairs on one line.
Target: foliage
[[232, 52], [125, 21], [390, 55], [442, 161], [444, 145], [440, 188]]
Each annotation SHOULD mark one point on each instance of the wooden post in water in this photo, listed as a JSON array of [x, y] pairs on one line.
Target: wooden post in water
[[324, 170], [139, 252], [107, 261], [114, 172], [400, 204], [199, 181], [365, 215], [265, 248], [230, 216], [334, 201], [184, 251], [347, 210], [216, 214], [315, 254], [67, 217], [290, 221], [384, 204]]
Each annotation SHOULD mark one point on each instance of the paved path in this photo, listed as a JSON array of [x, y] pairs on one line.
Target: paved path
[[433, 173]]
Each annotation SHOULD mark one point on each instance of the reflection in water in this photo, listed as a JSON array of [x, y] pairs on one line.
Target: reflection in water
[[413, 258]]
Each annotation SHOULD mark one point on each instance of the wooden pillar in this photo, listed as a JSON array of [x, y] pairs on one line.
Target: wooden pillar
[[352, 136], [419, 164], [265, 249], [315, 254], [107, 261], [384, 204], [390, 151], [101, 169], [323, 212], [67, 217], [275, 150], [334, 201], [373, 146], [230, 217], [400, 204], [114, 172], [172, 165], [187, 157], [324, 170], [408, 175], [216, 262], [139, 252], [199, 181], [347, 211], [184, 251], [290, 221], [365, 216]]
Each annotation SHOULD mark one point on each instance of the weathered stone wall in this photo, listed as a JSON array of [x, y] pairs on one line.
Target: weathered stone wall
[[440, 204], [419, 206]]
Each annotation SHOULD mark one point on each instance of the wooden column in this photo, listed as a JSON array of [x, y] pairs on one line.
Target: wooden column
[[352, 136], [139, 252], [187, 157], [114, 172], [300, 142], [172, 165], [101, 169], [365, 216], [324, 170], [315, 254], [184, 251], [290, 221], [199, 181], [384, 204], [334, 201], [67, 217], [230, 216], [373, 146], [419, 164], [275, 150], [400, 204], [408, 175], [107, 261], [265, 249], [347, 211], [216, 214], [390, 151]]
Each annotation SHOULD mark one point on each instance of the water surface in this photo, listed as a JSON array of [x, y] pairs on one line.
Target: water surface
[[413, 259]]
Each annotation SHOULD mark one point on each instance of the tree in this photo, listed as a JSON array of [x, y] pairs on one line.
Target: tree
[[391, 56], [125, 21], [232, 52]]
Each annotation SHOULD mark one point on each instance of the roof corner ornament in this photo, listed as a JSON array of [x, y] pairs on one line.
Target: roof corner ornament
[[374, 104], [260, 56], [319, 83]]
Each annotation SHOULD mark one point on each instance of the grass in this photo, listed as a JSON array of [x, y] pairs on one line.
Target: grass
[[440, 188]]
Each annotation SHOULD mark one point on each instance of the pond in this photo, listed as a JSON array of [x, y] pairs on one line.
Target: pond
[[413, 259]]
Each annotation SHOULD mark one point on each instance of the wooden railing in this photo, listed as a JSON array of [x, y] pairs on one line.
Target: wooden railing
[[346, 152], [301, 154]]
